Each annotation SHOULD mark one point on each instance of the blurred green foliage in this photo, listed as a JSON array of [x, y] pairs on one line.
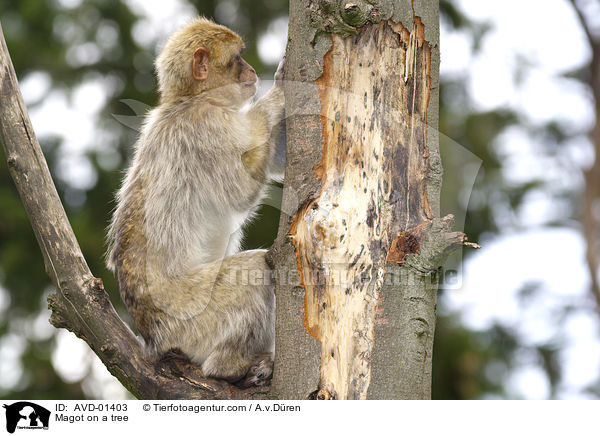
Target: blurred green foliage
[[42, 35]]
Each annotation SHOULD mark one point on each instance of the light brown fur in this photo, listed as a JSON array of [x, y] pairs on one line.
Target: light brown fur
[[198, 172]]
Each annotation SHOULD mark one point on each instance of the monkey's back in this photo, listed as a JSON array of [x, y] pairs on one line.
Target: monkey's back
[[180, 208]]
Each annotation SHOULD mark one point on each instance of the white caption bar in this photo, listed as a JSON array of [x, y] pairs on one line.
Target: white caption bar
[[298, 417]]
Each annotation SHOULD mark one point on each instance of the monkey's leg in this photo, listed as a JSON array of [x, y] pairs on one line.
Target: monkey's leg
[[238, 322], [227, 364], [245, 372]]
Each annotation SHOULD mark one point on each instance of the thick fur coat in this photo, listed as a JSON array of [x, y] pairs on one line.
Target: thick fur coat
[[198, 172]]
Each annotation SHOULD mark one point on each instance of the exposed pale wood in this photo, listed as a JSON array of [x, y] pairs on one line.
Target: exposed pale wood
[[374, 93]]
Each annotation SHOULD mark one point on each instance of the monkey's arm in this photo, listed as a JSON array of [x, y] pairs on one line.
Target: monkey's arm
[[271, 106], [278, 138], [265, 117]]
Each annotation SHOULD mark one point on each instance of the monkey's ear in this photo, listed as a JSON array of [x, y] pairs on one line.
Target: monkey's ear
[[200, 64]]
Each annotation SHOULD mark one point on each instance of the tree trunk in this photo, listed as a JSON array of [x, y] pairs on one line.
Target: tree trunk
[[360, 240], [361, 220]]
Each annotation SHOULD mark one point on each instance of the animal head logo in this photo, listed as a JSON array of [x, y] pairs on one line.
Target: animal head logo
[[26, 415]]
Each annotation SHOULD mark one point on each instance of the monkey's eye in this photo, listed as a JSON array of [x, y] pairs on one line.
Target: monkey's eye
[[235, 60]]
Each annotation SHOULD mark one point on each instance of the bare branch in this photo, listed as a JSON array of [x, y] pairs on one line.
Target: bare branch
[[591, 225], [81, 304], [592, 175], [584, 25]]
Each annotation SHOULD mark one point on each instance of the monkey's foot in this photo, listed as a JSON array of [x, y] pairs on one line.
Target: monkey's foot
[[174, 354], [259, 374]]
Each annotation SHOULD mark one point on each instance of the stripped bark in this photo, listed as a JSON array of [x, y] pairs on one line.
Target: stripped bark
[[366, 238], [81, 304]]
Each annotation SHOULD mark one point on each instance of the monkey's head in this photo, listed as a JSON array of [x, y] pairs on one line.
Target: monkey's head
[[205, 57]]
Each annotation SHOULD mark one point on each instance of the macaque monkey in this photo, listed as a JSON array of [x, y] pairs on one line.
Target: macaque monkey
[[199, 170]]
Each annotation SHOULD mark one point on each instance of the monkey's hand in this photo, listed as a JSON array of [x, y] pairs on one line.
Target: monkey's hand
[[269, 108], [279, 76]]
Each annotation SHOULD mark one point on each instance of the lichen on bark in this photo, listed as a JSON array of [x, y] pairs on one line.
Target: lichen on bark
[[345, 17]]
